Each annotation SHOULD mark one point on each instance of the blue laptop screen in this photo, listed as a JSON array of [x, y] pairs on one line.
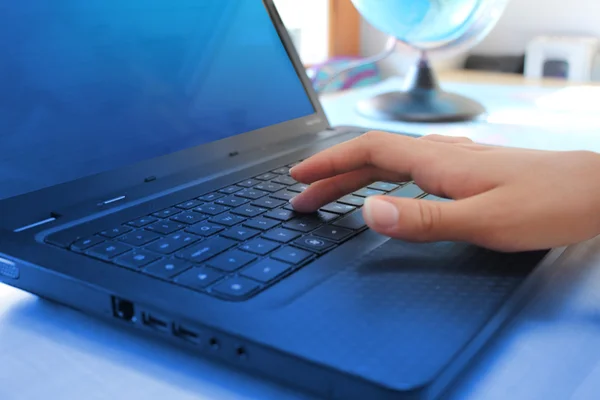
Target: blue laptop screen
[[88, 86]]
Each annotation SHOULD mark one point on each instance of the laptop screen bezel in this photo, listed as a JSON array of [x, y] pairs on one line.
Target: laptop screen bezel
[[105, 183]]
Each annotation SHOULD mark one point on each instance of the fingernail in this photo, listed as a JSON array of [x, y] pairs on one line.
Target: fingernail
[[380, 213], [292, 201]]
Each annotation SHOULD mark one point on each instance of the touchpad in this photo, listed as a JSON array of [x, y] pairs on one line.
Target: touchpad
[[443, 258], [420, 302], [440, 273], [432, 277]]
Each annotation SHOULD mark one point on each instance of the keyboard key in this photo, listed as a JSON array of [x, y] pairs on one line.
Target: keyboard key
[[281, 171], [166, 227], [237, 288], [227, 219], [259, 246], [199, 278], [189, 217], [281, 214], [211, 209], [249, 211], [385, 186], [366, 192], [352, 200], [116, 231], [166, 269], [292, 165], [252, 194], [232, 201], [267, 270], [288, 206], [240, 233], [261, 223], [188, 205], [285, 180], [141, 222], [267, 202], [338, 208], [205, 229], [207, 249], [266, 177], [314, 244], [86, 243], [431, 197], [211, 197], [136, 259], [231, 260], [409, 191], [108, 250], [231, 189], [298, 187], [139, 238], [303, 224], [169, 212], [173, 243], [248, 183], [281, 235], [335, 233], [354, 221], [326, 216], [285, 195], [269, 187], [319, 216], [292, 255]]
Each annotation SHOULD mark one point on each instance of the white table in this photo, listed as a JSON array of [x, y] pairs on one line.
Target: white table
[[552, 351]]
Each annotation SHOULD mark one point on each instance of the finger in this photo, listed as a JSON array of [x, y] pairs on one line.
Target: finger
[[386, 151], [430, 221], [447, 139], [328, 190]]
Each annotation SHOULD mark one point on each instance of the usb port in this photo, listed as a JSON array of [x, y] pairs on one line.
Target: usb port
[[186, 334], [154, 322]]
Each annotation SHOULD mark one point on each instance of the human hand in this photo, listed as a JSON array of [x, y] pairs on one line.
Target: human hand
[[506, 199]]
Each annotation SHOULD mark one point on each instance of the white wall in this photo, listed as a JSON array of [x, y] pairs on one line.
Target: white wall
[[522, 20], [307, 21]]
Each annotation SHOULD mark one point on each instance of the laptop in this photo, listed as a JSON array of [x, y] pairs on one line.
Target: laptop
[[144, 180]]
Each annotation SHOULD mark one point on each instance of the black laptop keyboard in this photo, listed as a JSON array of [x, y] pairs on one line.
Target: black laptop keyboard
[[235, 242]]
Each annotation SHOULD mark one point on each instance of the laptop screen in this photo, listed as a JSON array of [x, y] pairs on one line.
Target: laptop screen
[[88, 86]]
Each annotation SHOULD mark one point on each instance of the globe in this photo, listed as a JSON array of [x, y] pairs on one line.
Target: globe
[[442, 27]]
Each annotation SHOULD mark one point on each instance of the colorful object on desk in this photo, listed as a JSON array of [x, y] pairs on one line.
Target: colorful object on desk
[[324, 79], [438, 27]]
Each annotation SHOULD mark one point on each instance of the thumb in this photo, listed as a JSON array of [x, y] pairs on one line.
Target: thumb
[[422, 220]]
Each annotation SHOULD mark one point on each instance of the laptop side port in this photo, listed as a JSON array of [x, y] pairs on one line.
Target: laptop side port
[[154, 322], [186, 334], [241, 352], [214, 343], [123, 309]]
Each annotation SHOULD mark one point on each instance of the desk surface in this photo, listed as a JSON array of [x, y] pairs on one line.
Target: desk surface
[[537, 114], [551, 351]]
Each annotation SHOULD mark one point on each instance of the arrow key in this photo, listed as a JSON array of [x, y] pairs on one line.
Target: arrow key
[[291, 255], [314, 244], [334, 233]]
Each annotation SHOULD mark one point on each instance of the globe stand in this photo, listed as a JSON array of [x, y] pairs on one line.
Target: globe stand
[[422, 101]]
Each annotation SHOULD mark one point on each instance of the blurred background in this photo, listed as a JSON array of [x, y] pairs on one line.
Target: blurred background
[[534, 38]]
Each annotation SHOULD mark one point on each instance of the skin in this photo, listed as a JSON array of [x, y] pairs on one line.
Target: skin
[[506, 199]]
